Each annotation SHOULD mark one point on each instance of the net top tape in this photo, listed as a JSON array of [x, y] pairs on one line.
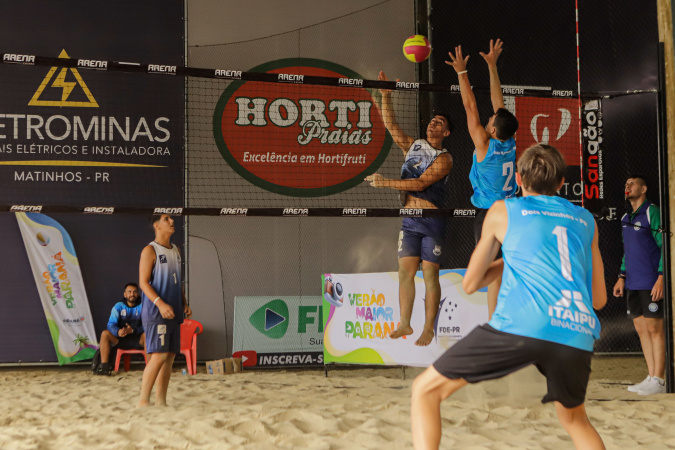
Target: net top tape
[[238, 75]]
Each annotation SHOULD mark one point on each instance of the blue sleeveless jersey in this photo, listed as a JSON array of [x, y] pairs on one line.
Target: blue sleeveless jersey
[[167, 282], [494, 178], [419, 157], [546, 290]]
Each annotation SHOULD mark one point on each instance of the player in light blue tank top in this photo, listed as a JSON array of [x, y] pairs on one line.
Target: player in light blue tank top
[[493, 169], [553, 277], [493, 178], [548, 272], [164, 306]]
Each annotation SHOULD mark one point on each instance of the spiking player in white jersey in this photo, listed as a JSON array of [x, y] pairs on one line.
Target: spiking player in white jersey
[[422, 185], [553, 278], [163, 308]]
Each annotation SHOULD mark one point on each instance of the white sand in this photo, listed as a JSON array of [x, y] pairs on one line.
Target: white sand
[[351, 409]]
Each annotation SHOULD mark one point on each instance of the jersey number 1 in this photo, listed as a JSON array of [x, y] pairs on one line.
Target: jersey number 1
[[564, 252]]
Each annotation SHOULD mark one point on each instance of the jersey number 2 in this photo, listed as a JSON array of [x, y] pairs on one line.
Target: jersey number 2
[[507, 171]]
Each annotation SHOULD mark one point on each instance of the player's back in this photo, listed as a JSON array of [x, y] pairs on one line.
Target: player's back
[[546, 290], [493, 178]]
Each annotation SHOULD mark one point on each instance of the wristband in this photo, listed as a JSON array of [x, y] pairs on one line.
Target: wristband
[[463, 71], [155, 301], [622, 276]]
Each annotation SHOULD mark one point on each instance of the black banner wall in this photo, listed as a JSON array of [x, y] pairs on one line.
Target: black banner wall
[[540, 49], [87, 138]]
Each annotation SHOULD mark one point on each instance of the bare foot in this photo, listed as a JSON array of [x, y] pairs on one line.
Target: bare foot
[[401, 331], [142, 404], [161, 404], [426, 338]]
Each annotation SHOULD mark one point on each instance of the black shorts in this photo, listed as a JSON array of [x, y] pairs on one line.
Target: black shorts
[[640, 303], [488, 354], [478, 227], [131, 342]]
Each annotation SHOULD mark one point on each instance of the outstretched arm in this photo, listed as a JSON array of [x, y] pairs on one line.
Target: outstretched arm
[[482, 268], [480, 137], [491, 58], [598, 279], [400, 137], [437, 170]]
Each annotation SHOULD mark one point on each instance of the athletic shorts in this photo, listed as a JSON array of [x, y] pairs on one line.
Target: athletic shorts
[[639, 303], [487, 354], [130, 342], [478, 228], [422, 237], [162, 338]]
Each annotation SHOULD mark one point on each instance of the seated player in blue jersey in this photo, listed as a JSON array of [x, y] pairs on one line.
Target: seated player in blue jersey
[[422, 185], [125, 328], [164, 306], [494, 158], [553, 278]]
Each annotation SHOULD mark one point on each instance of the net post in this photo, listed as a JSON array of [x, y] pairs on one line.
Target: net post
[[665, 214]]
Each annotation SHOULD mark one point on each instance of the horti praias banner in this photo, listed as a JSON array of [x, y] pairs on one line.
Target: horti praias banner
[[360, 310], [59, 283]]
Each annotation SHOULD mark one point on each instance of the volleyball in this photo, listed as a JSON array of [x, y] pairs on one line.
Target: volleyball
[[416, 48]]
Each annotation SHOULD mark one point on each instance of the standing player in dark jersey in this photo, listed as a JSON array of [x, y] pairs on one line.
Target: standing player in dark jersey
[[553, 279], [642, 275], [423, 176], [164, 306], [494, 159]]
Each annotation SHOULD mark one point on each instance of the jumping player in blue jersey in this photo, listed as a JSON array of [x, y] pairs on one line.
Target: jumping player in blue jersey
[[494, 159], [164, 306], [422, 185], [553, 278]]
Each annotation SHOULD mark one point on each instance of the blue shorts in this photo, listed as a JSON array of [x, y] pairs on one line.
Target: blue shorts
[[422, 237], [162, 338]]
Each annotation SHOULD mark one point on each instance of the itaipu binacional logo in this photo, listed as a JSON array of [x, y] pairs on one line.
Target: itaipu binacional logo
[[297, 139]]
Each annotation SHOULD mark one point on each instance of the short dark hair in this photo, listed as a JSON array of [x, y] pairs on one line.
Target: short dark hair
[[446, 116], [131, 283], [153, 219], [542, 168], [643, 180], [505, 123]]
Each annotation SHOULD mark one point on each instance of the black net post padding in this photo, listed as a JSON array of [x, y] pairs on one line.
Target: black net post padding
[[662, 124]]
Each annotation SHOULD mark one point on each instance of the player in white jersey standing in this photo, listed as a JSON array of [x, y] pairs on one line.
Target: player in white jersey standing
[[163, 308]]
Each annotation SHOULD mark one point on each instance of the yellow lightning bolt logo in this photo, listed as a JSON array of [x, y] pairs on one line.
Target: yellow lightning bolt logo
[[60, 81], [66, 86]]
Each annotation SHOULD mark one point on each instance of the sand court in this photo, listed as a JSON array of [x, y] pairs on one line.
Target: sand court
[[43, 408]]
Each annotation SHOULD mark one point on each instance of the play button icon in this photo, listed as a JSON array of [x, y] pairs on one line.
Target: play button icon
[[271, 319]]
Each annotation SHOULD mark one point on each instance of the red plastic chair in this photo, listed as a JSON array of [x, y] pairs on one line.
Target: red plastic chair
[[127, 358], [189, 330]]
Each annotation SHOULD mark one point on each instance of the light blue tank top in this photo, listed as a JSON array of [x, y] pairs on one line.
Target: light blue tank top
[[546, 290], [494, 178], [167, 282]]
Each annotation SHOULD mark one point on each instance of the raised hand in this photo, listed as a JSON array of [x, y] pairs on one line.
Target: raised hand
[[457, 60], [383, 77], [495, 50]]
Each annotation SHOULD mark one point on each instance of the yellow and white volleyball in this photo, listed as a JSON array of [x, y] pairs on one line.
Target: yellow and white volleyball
[[416, 48], [42, 239]]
